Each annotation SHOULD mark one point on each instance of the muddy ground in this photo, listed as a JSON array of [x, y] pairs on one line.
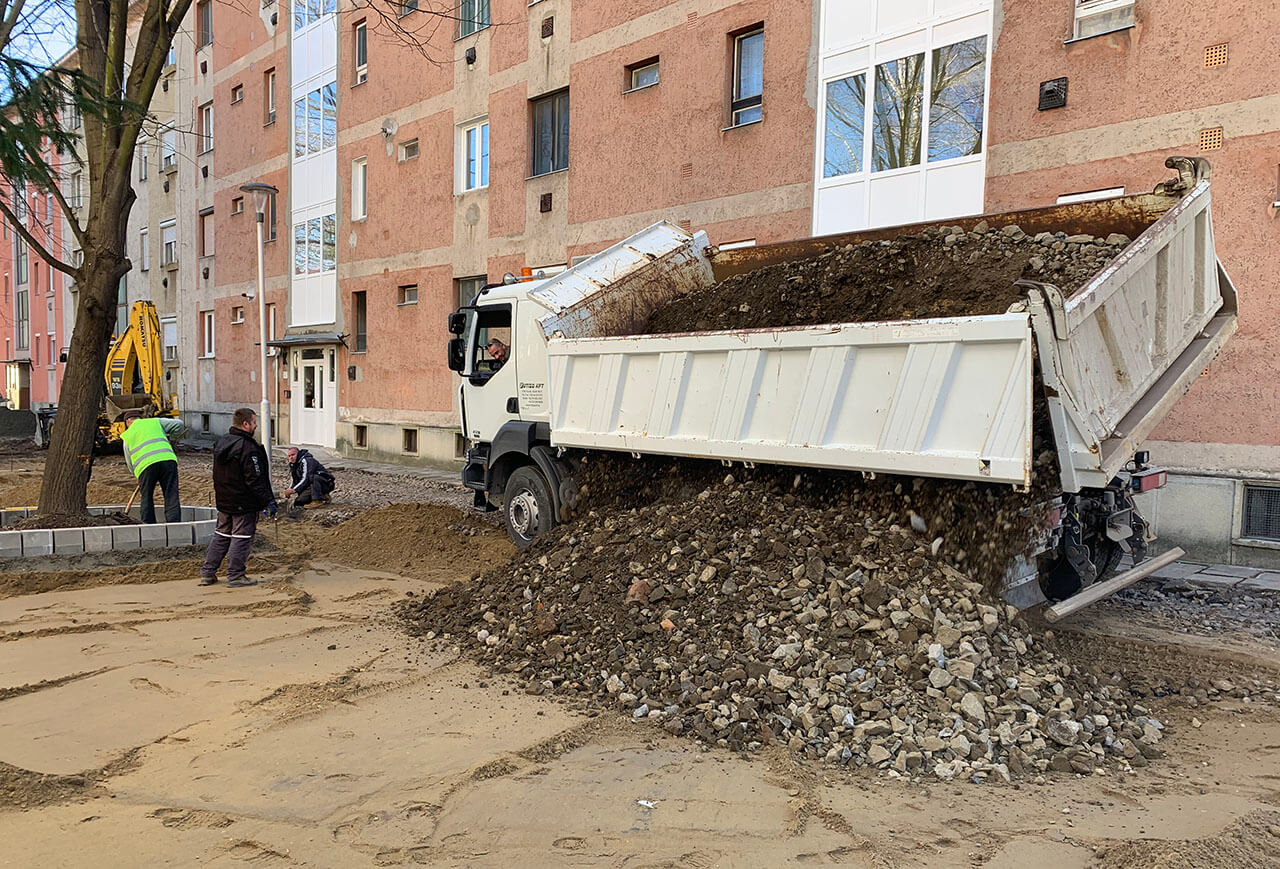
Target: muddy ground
[[146, 721]]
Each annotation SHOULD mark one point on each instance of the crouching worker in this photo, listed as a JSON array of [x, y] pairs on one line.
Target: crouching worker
[[241, 489], [312, 482], [150, 456]]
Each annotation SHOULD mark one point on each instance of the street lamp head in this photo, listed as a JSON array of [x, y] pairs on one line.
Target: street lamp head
[[260, 192]]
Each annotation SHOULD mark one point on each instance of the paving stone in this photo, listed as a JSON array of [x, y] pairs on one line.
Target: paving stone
[[97, 539], [10, 544], [180, 533], [126, 537], [1178, 570], [153, 536], [1267, 581], [204, 530], [68, 541], [1231, 570], [12, 515], [37, 543], [1210, 580]]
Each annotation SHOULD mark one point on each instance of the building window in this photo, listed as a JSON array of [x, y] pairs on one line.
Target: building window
[[1096, 17], [206, 128], [362, 437], [169, 331], [408, 295], [1261, 514], [551, 133], [171, 59], [169, 148], [957, 96], [641, 75], [271, 322], [845, 109], [475, 155], [269, 231], [360, 318], [206, 232], [22, 317], [359, 188], [408, 150], [360, 38], [142, 161], [410, 440], [315, 245], [473, 15], [407, 6], [74, 189], [308, 12], [169, 240], [237, 205], [237, 93], [20, 255], [204, 15], [745, 106], [206, 334], [237, 314], [469, 288], [144, 249], [315, 121], [269, 96]]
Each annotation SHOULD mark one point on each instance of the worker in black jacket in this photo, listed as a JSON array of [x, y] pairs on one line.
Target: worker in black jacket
[[312, 481], [241, 488]]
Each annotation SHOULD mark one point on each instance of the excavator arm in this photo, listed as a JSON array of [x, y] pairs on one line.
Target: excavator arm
[[134, 371]]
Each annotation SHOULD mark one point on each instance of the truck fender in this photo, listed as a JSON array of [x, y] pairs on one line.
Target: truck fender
[[512, 447], [545, 459]]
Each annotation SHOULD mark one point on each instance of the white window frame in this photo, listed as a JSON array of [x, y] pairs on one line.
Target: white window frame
[[1086, 9], [469, 23], [168, 148], [237, 94], [478, 125], [142, 161], [206, 128], [169, 352], [208, 326], [270, 98], [169, 249], [360, 33], [655, 65], [237, 205], [360, 188], [144, 249], [402, 150], [736, 83], [237, 314], [402, 295], [1090, 195]]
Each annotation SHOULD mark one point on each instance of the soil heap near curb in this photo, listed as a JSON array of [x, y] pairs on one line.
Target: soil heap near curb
[[781, 608], [415, 538], [942, 272]]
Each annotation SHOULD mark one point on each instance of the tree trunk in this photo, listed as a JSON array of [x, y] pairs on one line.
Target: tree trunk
[[66, 470]]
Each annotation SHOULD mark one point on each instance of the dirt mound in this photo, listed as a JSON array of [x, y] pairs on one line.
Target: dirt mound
[[415, 539], [1250, 842], [23, 789], [943, 272], [27, 493], [73, 520], [781, 608]]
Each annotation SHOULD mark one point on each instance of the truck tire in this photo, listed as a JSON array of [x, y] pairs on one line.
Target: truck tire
[[527, 508]]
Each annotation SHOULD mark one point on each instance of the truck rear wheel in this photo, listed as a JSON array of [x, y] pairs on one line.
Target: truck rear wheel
[[527, 508]]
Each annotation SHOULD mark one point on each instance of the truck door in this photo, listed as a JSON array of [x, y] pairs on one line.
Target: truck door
[[490, 382]]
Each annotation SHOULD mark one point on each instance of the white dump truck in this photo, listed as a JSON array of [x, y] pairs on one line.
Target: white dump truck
[[553, 366]]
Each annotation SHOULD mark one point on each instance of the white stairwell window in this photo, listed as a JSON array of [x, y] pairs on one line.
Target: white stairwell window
[[169, 240], [1096, 17], [169, 327]]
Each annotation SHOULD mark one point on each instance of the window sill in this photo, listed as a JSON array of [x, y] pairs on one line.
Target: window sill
[[268, 240], [173, 266], [1096, 35], [405, 304], [270, 123], [171, 169], [358, 83], [741, 126], [471, 34], [207, 356], [362, 219], [546, 174], [485, 187], [643, 87]]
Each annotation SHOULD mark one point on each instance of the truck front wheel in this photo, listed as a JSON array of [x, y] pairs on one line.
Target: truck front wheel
[[527, 510]]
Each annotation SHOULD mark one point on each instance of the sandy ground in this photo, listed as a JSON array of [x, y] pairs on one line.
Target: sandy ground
[[146, 721]]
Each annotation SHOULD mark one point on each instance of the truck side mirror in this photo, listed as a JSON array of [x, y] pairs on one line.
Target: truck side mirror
[[457, 351], [457, 323]]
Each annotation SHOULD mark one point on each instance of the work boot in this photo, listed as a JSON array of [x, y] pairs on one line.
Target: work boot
[[208, 580], [241, 582]]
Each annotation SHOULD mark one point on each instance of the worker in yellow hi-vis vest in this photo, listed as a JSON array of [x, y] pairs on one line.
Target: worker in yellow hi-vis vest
[[150, 456]]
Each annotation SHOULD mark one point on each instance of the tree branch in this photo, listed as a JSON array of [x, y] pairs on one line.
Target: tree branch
[[36, 246], [10, 21]]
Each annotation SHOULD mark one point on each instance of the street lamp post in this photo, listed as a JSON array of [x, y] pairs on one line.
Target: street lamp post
[[262, 194]]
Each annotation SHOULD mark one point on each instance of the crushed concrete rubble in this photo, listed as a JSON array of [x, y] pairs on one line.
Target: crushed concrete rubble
[[775, 609]]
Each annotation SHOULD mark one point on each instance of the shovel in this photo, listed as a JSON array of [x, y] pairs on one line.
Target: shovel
[[129, 506]]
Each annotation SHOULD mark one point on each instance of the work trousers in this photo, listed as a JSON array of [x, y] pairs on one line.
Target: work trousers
[[164, 474], [317, 491], [233, 534]]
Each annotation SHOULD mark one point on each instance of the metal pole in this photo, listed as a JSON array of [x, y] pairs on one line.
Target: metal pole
[[264, 413], [1099, 590]]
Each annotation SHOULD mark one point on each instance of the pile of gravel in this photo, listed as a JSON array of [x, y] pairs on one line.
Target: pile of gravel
[[778, 609]]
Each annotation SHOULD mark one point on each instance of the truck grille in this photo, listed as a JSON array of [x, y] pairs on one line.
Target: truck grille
[[1261, 513]]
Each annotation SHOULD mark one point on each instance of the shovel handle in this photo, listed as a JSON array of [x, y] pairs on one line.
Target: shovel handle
[[129, 506]]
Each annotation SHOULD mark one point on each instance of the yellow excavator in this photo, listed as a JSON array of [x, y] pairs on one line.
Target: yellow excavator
[[135, 375]]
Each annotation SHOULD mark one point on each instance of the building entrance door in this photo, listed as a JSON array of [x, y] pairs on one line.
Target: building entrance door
[[313, 402]]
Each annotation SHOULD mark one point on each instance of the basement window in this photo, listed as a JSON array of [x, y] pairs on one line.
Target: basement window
[[410, 440], [641, 75], [408, 295], [237, 314], [362, 437], [408, 150], [1261, 519]]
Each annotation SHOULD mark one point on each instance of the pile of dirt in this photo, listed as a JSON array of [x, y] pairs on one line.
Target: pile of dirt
[[1251, 841], [942, 272], [27, 493], [787, 608], [24, 789], [72, 520], [415, 539]]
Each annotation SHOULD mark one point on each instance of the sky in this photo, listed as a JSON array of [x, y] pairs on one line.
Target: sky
[[47, 33]]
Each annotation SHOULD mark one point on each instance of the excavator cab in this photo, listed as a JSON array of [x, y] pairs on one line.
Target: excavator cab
[[135, 374]]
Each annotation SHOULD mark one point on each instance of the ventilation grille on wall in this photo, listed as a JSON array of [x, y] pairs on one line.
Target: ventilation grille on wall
[[1215, 55], [548, 26], [686, 171], [1211, 139], [693, 19], [544, 203], [1261, 513], [1053, 94], [686, 225]]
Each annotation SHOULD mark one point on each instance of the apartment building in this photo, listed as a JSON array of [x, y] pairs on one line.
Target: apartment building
[[1090, 97]]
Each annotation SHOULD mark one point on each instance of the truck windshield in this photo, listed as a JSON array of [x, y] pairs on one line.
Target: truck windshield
[[492, 346]]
